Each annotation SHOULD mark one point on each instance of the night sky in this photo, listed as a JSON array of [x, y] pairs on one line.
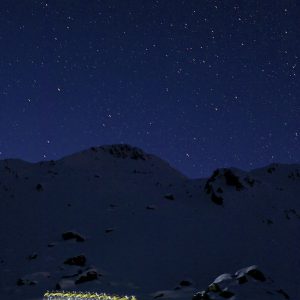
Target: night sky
[[202, 84]]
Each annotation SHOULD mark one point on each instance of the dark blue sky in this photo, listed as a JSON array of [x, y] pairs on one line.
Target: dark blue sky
[[202, 84]]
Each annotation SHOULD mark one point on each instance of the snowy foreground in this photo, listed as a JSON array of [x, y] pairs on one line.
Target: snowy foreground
[[115, 220]]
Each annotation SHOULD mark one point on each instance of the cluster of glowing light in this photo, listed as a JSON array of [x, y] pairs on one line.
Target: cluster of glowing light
[[68, 295]]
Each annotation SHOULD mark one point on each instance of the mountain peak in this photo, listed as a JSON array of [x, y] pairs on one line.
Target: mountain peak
[[123, 151]]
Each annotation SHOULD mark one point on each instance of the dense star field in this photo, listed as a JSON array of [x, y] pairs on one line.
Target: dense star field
[[202, 84]]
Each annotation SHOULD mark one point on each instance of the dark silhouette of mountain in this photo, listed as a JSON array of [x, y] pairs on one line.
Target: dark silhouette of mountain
[[115, 219]]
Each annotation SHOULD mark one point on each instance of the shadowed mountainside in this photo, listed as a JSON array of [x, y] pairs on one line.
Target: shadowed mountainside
[[115, 219]]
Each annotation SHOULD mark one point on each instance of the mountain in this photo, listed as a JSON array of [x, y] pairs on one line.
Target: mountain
[[114, 219]]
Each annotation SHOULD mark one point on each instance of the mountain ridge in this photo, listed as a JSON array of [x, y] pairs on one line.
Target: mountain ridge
[[124, 151]]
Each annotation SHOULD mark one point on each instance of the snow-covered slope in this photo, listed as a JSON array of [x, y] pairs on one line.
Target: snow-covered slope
[[114, 219]]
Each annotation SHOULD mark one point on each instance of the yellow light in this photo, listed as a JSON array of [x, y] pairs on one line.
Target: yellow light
[[67, 295]]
